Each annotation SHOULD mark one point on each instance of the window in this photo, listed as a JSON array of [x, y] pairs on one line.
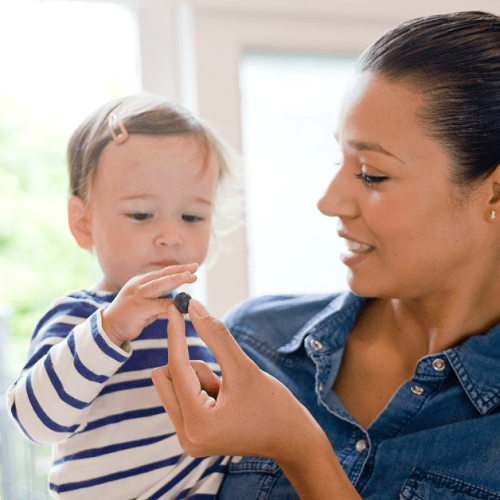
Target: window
[[59, 61], [290, 105]]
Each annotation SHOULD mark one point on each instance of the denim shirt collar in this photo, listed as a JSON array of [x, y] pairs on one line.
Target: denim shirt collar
[[477, 365], [476, 362], [331, 326]]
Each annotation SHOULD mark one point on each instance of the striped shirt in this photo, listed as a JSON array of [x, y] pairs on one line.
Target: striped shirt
[[95, 403]]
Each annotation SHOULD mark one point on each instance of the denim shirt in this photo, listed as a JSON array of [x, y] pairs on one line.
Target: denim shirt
[[438, 438]]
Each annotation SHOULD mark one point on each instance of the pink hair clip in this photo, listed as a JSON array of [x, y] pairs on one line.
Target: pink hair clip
[[113, 123]]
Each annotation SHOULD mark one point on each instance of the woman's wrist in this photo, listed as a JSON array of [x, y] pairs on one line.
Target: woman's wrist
[[312, 467]]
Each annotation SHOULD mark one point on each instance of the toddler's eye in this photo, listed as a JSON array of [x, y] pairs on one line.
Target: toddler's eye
[[191, 218], [139, 216]]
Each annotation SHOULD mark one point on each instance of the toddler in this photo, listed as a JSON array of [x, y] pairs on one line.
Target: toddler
[[143, 177]]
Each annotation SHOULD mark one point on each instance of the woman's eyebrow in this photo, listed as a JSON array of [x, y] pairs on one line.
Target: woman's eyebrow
[[371, 146]]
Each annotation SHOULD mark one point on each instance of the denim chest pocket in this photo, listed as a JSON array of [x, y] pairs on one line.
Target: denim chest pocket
[[255, 478], [423, 485], [252, 464]]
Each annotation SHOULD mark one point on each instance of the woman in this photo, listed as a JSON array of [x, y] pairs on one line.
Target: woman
[[401, 377]]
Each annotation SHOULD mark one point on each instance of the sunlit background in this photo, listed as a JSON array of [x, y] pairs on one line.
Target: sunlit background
[[290, 105], [58, 61], [268, 74], [69, 58]]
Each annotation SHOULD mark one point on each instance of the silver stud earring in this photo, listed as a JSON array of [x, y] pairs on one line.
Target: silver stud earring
[[493, 215]]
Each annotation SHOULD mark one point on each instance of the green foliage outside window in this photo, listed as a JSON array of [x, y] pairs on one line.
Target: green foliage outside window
[[39, 260]]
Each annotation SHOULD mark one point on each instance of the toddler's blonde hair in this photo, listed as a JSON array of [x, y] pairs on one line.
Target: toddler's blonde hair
[[153, 115]]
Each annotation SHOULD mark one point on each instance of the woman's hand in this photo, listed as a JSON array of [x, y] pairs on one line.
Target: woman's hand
[[249, 407], [247, 412], [138, 303]]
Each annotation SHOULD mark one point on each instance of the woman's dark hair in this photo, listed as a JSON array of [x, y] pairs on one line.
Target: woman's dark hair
[[453, 60]]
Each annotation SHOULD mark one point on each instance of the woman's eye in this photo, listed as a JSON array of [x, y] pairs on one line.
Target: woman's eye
[[139, 216], [191, 218], [371, 180]]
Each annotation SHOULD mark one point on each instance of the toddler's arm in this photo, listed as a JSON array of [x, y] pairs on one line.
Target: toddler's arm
[[71, 359], [69, 363]]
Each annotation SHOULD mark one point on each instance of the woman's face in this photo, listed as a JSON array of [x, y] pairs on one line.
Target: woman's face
[[408, 232]]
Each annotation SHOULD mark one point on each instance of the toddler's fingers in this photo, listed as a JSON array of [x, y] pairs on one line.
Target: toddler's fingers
[[176, 268], [164, 284], [191, 267]]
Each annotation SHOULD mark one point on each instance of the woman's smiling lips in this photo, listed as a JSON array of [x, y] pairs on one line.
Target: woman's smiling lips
[[354, 252]]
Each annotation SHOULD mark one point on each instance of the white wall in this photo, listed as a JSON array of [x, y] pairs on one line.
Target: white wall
[[190, 51]]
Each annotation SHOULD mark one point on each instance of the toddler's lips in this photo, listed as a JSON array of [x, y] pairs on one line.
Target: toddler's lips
[[165, 263]]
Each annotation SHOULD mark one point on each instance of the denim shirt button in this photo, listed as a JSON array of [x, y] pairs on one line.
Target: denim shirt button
[[416, 389], [316, 344], [360, 445], [439, 364], [321, 388]]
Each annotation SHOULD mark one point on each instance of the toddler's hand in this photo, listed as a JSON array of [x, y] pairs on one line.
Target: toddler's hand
[[138, 303]]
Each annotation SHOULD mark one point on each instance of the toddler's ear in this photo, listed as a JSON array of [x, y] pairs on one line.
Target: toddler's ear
[[79, 222]]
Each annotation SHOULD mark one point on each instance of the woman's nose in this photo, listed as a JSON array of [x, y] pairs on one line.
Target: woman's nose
[[338, 200], [168, 235]]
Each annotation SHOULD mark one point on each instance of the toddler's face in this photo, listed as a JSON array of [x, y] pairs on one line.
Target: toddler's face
[[150, 205]]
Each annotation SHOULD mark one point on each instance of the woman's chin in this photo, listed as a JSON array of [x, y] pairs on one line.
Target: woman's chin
[[364, 287]]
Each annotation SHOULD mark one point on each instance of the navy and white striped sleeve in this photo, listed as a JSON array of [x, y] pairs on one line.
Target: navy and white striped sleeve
[[69, 361]]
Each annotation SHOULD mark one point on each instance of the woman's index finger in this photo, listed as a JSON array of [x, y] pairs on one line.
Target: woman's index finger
[[219, 340], [183, 376]]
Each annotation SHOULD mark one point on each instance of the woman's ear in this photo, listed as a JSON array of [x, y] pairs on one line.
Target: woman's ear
[[79, 222], [492, 212]]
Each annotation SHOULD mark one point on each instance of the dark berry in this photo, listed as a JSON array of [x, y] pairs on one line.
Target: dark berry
[[181, 301]]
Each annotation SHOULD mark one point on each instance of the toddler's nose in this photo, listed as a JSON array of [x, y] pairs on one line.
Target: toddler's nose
[[168, 236]]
